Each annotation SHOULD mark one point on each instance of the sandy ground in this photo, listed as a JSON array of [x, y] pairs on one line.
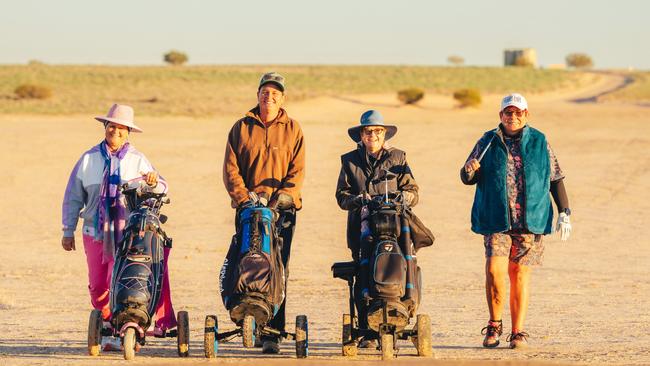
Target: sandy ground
[[590, 300]]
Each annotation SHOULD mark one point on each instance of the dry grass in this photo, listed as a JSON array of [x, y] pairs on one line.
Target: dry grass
[[208, 90]]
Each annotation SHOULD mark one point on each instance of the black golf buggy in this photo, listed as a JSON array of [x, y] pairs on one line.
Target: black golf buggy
[[252, 284], [390, 280], [137, 276]]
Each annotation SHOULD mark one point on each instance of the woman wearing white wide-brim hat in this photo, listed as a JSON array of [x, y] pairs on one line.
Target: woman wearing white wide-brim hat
[[93, 194]]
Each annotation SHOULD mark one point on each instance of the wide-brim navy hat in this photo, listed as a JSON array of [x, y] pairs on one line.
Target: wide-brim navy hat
[[371, 118]]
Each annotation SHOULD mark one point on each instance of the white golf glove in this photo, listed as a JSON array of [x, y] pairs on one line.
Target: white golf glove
[[563, 226]]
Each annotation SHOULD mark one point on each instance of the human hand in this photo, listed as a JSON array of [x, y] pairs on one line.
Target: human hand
[[408, 197], [360, 200], [68, 243], [264, 201], [282, 202], [563, 226], [151, 178], [246, 204], [472, 166]]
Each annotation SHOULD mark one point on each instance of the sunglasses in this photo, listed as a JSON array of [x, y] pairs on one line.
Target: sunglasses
[[517, 113], [374, 131]]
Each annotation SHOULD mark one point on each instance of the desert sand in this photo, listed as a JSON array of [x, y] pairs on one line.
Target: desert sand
[[590, 300]]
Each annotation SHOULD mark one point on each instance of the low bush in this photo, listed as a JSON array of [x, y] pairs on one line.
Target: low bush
[[175, 57], [410, 95], [455, 60], [579, 61], [32, 91], [468, 97]]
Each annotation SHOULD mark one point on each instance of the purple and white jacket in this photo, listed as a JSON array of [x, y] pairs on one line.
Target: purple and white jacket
[[82, 195]]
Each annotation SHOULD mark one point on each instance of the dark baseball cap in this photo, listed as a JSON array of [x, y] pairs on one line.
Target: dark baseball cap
[[272, 77]]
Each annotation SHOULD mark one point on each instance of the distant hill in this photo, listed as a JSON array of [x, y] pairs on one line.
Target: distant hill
[[208, 90]]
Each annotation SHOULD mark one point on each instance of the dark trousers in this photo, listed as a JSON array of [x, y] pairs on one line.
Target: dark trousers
[[359, 301], [287, 220]]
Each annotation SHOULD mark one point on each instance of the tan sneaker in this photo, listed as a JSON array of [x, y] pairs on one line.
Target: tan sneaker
[[492, 332], [518, 340]]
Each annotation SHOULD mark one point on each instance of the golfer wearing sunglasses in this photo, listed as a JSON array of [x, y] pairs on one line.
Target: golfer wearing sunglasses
[[515, 172]]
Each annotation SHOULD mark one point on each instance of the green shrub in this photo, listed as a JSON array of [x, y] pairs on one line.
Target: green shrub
[[35, 63], [468, 97], [175, 57], [32, 91], [410, 95], [579, 61]]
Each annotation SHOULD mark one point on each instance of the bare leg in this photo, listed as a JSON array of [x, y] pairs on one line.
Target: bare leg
[[519, 294], [495, 273]]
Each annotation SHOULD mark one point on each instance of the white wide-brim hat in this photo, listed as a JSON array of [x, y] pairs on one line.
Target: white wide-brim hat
[[122, 115]]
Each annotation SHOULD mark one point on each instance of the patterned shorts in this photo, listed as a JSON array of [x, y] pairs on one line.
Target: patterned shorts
[[521, 247]]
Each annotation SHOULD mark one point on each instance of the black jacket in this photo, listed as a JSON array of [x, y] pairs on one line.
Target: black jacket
[[359, 174]]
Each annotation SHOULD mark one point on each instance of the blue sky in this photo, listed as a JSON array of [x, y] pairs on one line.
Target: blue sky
[[613, 33]]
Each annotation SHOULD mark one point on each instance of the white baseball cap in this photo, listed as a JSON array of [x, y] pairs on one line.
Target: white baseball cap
[[514, 99]]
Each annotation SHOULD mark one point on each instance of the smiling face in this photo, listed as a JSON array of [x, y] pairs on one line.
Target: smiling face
[[116, 135], [270, 99], [373, 138], [513, 119]]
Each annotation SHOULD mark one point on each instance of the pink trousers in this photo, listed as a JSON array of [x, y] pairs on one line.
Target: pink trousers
[[99, 284]]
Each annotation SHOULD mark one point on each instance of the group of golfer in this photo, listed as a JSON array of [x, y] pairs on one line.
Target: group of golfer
[[513, 167]]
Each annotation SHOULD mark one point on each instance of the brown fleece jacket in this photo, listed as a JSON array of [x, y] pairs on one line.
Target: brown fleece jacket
[[263, 159]]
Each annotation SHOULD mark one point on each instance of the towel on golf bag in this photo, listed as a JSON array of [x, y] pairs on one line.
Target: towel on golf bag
[[252, 275]]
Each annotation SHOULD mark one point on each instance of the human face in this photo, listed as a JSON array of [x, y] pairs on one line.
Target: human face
[[116, 135], [513, 119], [373, 138], [270, 98]]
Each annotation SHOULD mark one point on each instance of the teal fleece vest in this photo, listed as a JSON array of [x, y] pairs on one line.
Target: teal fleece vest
[[490, 212]]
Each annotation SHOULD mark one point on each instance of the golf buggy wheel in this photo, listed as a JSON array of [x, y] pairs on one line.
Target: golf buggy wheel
[[387, 347], [349, 347], [248, 331], [423, 343], [94, 332], [302, 336], [183, 336], [210, 343], [128, 343]]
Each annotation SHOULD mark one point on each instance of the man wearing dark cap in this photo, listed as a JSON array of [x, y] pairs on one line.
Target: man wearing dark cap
[[515, 172], [265, 154]]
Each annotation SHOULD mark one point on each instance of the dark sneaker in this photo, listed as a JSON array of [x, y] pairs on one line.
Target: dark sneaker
[[271, 347], [368, 343], [492, 333], [518, 340]]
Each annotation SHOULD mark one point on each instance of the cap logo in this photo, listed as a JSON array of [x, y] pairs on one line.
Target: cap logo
[[511, 98]]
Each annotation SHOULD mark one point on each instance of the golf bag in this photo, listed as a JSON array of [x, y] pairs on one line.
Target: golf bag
[[252, 277], [388, 269], [139, 260]]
